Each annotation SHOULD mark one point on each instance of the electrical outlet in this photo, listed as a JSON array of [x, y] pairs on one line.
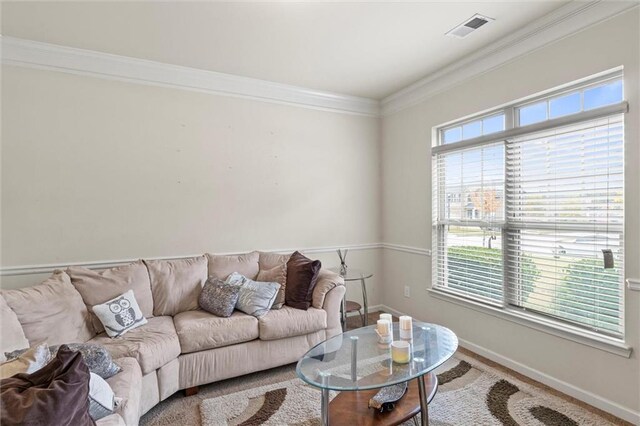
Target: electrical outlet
[[407, 291]]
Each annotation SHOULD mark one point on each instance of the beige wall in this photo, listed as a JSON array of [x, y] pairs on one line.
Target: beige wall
[[95, 170], [407, 209]]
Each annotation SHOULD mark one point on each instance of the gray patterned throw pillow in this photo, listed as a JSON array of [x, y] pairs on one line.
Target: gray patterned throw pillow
[[256, 297], [218, 298], [97, 357]]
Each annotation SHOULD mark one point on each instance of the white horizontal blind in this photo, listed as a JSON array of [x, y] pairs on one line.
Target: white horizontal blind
[[468, 221], [564, 205]]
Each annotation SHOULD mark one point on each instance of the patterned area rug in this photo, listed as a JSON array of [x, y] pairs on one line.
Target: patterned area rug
[[470, 393]]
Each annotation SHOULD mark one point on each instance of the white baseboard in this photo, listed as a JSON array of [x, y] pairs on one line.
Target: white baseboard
[[372, 308], [562, 386]]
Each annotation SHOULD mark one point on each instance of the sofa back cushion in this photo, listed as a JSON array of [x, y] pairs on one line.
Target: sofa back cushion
[[221, 267], [97, 287], [51, 312], [12, 335], [176, 284], [273, 268]]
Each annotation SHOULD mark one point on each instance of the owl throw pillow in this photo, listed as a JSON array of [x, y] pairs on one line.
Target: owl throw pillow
[[120, 314]]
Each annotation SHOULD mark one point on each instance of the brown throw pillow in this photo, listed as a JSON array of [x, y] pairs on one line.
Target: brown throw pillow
[[57, 394], [302, 274]]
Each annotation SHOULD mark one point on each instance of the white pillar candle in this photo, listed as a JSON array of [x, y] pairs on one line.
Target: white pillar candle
[[384, 327], [387, 317], [406, 327], [400, 352]]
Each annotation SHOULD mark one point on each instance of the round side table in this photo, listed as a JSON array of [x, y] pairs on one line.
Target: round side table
[[354, 275]]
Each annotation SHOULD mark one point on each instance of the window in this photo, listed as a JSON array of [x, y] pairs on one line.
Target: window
[[521, 218], [586, 98], [473, 129]]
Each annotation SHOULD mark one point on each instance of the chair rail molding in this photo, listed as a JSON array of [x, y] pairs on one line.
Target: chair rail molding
[[633, 284], [33, 54], [407, 249], [562, 22], [103, 264]]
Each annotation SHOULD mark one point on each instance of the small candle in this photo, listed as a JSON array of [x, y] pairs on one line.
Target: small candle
[[384, 327], [400, 352], [406, 327], [387, 317]]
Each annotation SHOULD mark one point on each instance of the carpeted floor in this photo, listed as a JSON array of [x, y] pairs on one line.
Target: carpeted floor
[[491, 395]]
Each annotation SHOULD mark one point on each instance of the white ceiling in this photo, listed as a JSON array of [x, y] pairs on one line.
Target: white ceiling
[[364, 49]]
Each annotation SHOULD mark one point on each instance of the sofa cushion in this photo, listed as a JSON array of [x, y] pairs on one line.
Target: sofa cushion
[[302, 274], [289, 322], [221, 267], [98, 287], [51, 312], [273, 268], [127, 385], [152, 345], [12, 335], [176, 284], [199, 330]]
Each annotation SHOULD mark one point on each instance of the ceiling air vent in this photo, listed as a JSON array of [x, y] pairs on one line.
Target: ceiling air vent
[[469, 26]]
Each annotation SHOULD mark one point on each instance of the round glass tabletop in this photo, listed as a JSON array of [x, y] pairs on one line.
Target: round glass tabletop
[[352, 274], [332, 364]]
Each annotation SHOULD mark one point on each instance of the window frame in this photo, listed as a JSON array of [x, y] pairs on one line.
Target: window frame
[[512, 129]]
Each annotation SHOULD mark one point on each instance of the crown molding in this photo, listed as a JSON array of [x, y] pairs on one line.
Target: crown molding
[[563, 22], [32, 54]]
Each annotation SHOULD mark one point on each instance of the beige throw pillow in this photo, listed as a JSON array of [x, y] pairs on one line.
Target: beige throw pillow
[[29, 362], [176, 284], [97, 287], [11, 336], [52, 311], [273, 268], [221, 267]]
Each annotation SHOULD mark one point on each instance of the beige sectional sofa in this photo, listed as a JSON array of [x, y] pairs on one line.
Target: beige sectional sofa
[[181, 350]]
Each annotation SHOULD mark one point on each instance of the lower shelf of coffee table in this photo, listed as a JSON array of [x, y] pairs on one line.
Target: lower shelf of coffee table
[[352, 407]]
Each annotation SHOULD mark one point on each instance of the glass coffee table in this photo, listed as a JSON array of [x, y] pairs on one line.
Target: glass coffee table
[[355, 364]]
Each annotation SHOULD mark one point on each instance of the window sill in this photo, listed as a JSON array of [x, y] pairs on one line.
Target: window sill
[[536, 322]]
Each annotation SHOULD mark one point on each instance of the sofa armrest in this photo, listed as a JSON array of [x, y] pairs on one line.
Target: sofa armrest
[[328, 295], [127, 384], [327, 281]]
